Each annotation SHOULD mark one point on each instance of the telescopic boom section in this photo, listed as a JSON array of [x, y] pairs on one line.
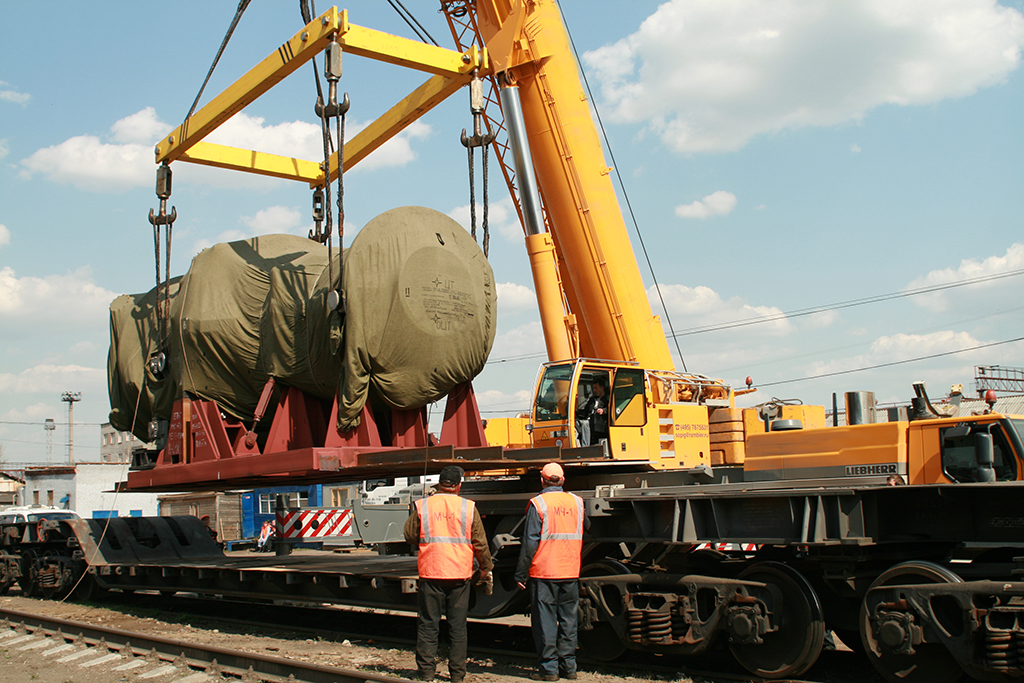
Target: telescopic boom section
[[528, 46]]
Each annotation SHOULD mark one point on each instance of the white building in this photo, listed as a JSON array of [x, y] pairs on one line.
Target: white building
[[90, 488], [116, 446]]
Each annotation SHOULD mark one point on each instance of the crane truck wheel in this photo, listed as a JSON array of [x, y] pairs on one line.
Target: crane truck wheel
[[930, 662], [794, 645]]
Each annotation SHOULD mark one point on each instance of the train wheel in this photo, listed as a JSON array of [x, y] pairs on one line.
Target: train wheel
[[603, 643], [86, 589], [931, 662], [796, 613]]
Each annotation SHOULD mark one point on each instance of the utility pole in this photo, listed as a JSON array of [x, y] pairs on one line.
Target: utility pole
[[49, 425], [70, 397]]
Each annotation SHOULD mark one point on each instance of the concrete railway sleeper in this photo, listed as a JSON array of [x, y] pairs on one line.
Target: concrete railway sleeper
[[922, 609], [136, 652]]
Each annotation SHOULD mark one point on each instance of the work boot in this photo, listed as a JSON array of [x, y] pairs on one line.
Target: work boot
[[425, 675], [541, 676], [568, 675]]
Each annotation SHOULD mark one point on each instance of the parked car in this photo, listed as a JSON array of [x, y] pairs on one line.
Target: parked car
[[34, 513]]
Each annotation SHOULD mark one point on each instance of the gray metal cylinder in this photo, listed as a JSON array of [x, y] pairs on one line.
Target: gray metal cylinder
[[529, 193], [860, 407]]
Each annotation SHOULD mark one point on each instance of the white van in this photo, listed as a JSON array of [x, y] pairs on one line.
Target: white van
[[34, 513]]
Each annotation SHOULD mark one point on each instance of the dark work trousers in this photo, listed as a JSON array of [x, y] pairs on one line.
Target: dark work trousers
[[555, 604], [450, 598]]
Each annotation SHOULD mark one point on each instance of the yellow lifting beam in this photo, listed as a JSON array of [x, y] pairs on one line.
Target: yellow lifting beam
[[451, 71]]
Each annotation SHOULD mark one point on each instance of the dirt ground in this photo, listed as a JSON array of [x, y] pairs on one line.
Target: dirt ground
[[18, 666]]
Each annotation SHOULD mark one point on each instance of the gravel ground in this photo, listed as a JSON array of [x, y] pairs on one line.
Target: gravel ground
[[19, 666]]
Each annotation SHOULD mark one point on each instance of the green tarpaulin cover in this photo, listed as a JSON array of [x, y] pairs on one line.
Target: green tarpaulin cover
[[420, 316]]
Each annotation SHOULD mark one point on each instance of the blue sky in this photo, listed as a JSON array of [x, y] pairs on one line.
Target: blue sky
[[778, 156]]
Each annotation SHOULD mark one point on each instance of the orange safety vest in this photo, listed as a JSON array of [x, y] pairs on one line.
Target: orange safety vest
[[561, 536], [446, 537]]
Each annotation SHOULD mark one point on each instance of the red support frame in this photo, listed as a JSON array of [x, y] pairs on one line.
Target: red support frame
[[205, 449]]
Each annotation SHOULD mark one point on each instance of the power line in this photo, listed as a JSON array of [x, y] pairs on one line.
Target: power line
[[931, 328], [845, 304], [886, 365]]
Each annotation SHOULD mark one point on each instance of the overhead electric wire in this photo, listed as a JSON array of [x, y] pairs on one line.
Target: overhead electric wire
[[924, 330], [845, 304], [887, 365], [819, 309]]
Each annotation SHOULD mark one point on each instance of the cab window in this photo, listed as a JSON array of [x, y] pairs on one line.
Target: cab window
[[630, 409], [960, 461], [553, 394]]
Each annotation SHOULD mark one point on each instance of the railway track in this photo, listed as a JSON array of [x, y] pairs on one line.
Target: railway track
[[114, 651], [503, 652]]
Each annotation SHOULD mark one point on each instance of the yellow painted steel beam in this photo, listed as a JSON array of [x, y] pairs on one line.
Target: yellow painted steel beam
[[394, 120], [452, 70], [384, 47], [251, 161], [302, 47]]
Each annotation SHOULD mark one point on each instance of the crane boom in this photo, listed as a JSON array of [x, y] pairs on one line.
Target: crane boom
[[607, 304]]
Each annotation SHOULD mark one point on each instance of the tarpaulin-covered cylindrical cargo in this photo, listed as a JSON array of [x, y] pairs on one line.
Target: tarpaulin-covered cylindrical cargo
[[421, 311], [243, 312], [257, 308]]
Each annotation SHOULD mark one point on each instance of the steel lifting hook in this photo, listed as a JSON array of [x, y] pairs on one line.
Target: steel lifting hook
[[476, 105], [163, 191], [332, 70]]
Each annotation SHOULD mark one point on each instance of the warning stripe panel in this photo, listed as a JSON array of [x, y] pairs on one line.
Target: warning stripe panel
[[317, 523]]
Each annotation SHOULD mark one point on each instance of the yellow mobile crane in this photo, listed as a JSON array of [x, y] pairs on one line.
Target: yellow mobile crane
[[922, 575]]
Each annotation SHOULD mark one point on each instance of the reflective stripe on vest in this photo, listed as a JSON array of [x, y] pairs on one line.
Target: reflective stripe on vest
[[561, 536], [446, 537]]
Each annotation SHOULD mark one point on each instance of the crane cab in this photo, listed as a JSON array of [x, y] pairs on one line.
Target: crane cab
[[657, 419]]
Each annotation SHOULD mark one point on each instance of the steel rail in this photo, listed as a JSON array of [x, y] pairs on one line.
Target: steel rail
[[527, 659], [196, 656]]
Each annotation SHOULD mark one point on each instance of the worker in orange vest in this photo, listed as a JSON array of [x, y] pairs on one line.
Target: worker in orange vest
[[549, 561], [450, 534]]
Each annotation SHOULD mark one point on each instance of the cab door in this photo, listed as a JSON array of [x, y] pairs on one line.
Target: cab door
[[628, 418]]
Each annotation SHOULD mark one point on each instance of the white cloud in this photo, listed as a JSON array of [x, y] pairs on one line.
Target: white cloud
[[9, 95], [90, 164], [52, 379], [709, 76], [969, 269], [510, 403], [902, 347], [51, 301], [5, 235], [701, 306], [525, 339], [502, 219], [398, 151], [720, 203], [126, 160], [276, 220], [5, 148], [515, 297], [304, 140], [34, 412], [855, 149], [821, 319], [143, 127]]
